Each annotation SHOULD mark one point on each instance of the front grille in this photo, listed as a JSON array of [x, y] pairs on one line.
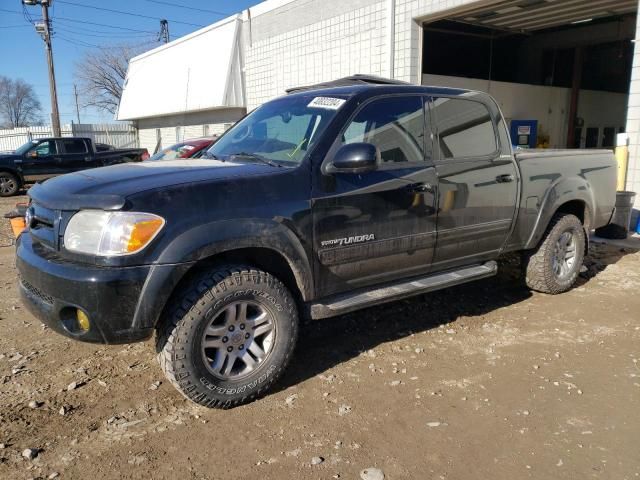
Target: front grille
[[48, 299], [44, 224]]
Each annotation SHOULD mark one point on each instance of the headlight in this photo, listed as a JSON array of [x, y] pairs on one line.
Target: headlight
[[107, 234]]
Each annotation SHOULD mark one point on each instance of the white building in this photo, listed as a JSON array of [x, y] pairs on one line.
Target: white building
[[571, 64]]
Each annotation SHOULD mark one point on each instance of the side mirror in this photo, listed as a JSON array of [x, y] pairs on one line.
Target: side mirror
[[355, 158]]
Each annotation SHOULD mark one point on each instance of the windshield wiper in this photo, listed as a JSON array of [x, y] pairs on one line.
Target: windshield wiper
[[210, 156], [254, 156]]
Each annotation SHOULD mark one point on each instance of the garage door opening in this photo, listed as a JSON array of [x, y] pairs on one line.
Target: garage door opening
[[559, 70]]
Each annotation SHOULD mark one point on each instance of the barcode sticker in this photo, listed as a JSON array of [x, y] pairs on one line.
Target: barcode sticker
[[326, 102]]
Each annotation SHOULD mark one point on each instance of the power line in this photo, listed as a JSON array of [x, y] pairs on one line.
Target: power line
[[14, 26], [75, 20], [126, 13], [11, 11], [187, 8], [77, 42], [114, 35], [108, 32], [82, 43]]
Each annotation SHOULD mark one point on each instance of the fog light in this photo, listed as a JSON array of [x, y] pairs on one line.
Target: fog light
[[83, 321]]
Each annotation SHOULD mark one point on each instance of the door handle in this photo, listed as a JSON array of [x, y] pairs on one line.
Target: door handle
[[421, 188], [505, 178]]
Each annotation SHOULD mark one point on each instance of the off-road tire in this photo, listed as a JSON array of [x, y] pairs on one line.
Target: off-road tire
[[15, 181], [538, 263], [180, 334]]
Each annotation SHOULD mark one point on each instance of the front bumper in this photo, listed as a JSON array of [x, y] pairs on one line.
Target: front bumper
[[53, 289]]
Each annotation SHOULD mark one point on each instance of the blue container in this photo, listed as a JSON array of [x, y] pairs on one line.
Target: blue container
[[638, 226]]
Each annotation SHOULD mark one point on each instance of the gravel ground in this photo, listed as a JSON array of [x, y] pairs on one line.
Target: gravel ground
[[485, 380]]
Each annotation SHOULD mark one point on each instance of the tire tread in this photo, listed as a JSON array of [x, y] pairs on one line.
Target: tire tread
[[539, 274], [172, 338]]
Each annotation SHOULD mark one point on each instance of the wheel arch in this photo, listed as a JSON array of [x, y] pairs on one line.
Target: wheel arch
[[573, 196], [14, 172], [266, 246]]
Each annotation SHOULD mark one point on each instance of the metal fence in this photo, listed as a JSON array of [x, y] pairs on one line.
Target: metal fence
[[119, 135]]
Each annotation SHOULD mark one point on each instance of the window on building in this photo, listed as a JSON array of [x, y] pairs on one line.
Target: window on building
[[465, 128], [395, 125], [593, 137]]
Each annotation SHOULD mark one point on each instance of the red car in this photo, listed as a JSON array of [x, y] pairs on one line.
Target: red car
[[193, 148]]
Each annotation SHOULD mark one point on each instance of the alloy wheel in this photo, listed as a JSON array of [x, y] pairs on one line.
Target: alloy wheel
[[238, 339]]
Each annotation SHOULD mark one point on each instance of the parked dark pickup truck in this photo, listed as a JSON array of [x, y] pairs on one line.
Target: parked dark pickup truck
[[316, 204], [48, 157]]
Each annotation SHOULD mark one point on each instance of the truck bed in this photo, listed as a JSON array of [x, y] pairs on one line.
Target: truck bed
[[549, 176]]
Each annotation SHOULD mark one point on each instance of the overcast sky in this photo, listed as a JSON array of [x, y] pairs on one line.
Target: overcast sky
[[22, 52]]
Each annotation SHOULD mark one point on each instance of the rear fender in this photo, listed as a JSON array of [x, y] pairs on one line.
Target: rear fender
[[559, 193]]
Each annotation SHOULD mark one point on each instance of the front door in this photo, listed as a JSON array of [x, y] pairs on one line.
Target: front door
[[378, 226], [478, 178], [41, 162]]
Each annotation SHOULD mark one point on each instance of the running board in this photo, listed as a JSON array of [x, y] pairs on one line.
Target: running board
[[345, 303]]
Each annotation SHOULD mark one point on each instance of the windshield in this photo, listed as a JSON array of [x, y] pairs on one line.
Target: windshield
[[280, 132], [179, 150], [26, 147]]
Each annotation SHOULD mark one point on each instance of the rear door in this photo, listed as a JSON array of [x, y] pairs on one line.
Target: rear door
[[478, 180], [378, 226], [76, 155], [42, 161]]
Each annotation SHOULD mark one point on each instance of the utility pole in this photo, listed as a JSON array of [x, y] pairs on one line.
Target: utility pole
[[164, 31], [44, 30], [75, 94]]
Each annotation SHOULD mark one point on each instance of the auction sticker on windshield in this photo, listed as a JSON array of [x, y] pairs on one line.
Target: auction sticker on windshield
[[326, 102]]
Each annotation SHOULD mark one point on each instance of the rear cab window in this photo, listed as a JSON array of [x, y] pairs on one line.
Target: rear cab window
[[73, 146], [465, 129]]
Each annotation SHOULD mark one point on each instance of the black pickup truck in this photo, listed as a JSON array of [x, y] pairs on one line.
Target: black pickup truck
[[324, 201], [49, 157]]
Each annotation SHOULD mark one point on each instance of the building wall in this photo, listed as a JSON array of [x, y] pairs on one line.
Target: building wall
[[315, 47], [633, 124]]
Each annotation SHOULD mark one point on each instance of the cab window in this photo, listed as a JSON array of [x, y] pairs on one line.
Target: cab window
[[465, 128], [74, 146], [45, 148], [395, 125]]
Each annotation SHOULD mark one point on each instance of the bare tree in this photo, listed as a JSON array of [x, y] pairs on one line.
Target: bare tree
[[19, 104], [102, 73]]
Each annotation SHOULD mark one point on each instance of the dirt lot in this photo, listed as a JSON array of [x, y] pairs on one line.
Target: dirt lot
[[481, 381]]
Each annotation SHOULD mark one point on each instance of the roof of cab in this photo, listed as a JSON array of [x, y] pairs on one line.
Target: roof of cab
[[356, 84]]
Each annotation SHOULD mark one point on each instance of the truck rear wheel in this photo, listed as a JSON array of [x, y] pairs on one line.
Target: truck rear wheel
[[554, 266], [9, 184], [229, 337]]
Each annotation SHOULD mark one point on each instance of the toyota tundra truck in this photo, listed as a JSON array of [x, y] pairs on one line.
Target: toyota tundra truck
[[330, 199]]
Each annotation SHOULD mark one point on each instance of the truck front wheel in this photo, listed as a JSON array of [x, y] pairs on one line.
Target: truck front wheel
[[9, 184], [229, 337], [554, 266]]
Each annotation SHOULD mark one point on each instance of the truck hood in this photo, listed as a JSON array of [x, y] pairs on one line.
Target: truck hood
[[8, 157], [107, 188]]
